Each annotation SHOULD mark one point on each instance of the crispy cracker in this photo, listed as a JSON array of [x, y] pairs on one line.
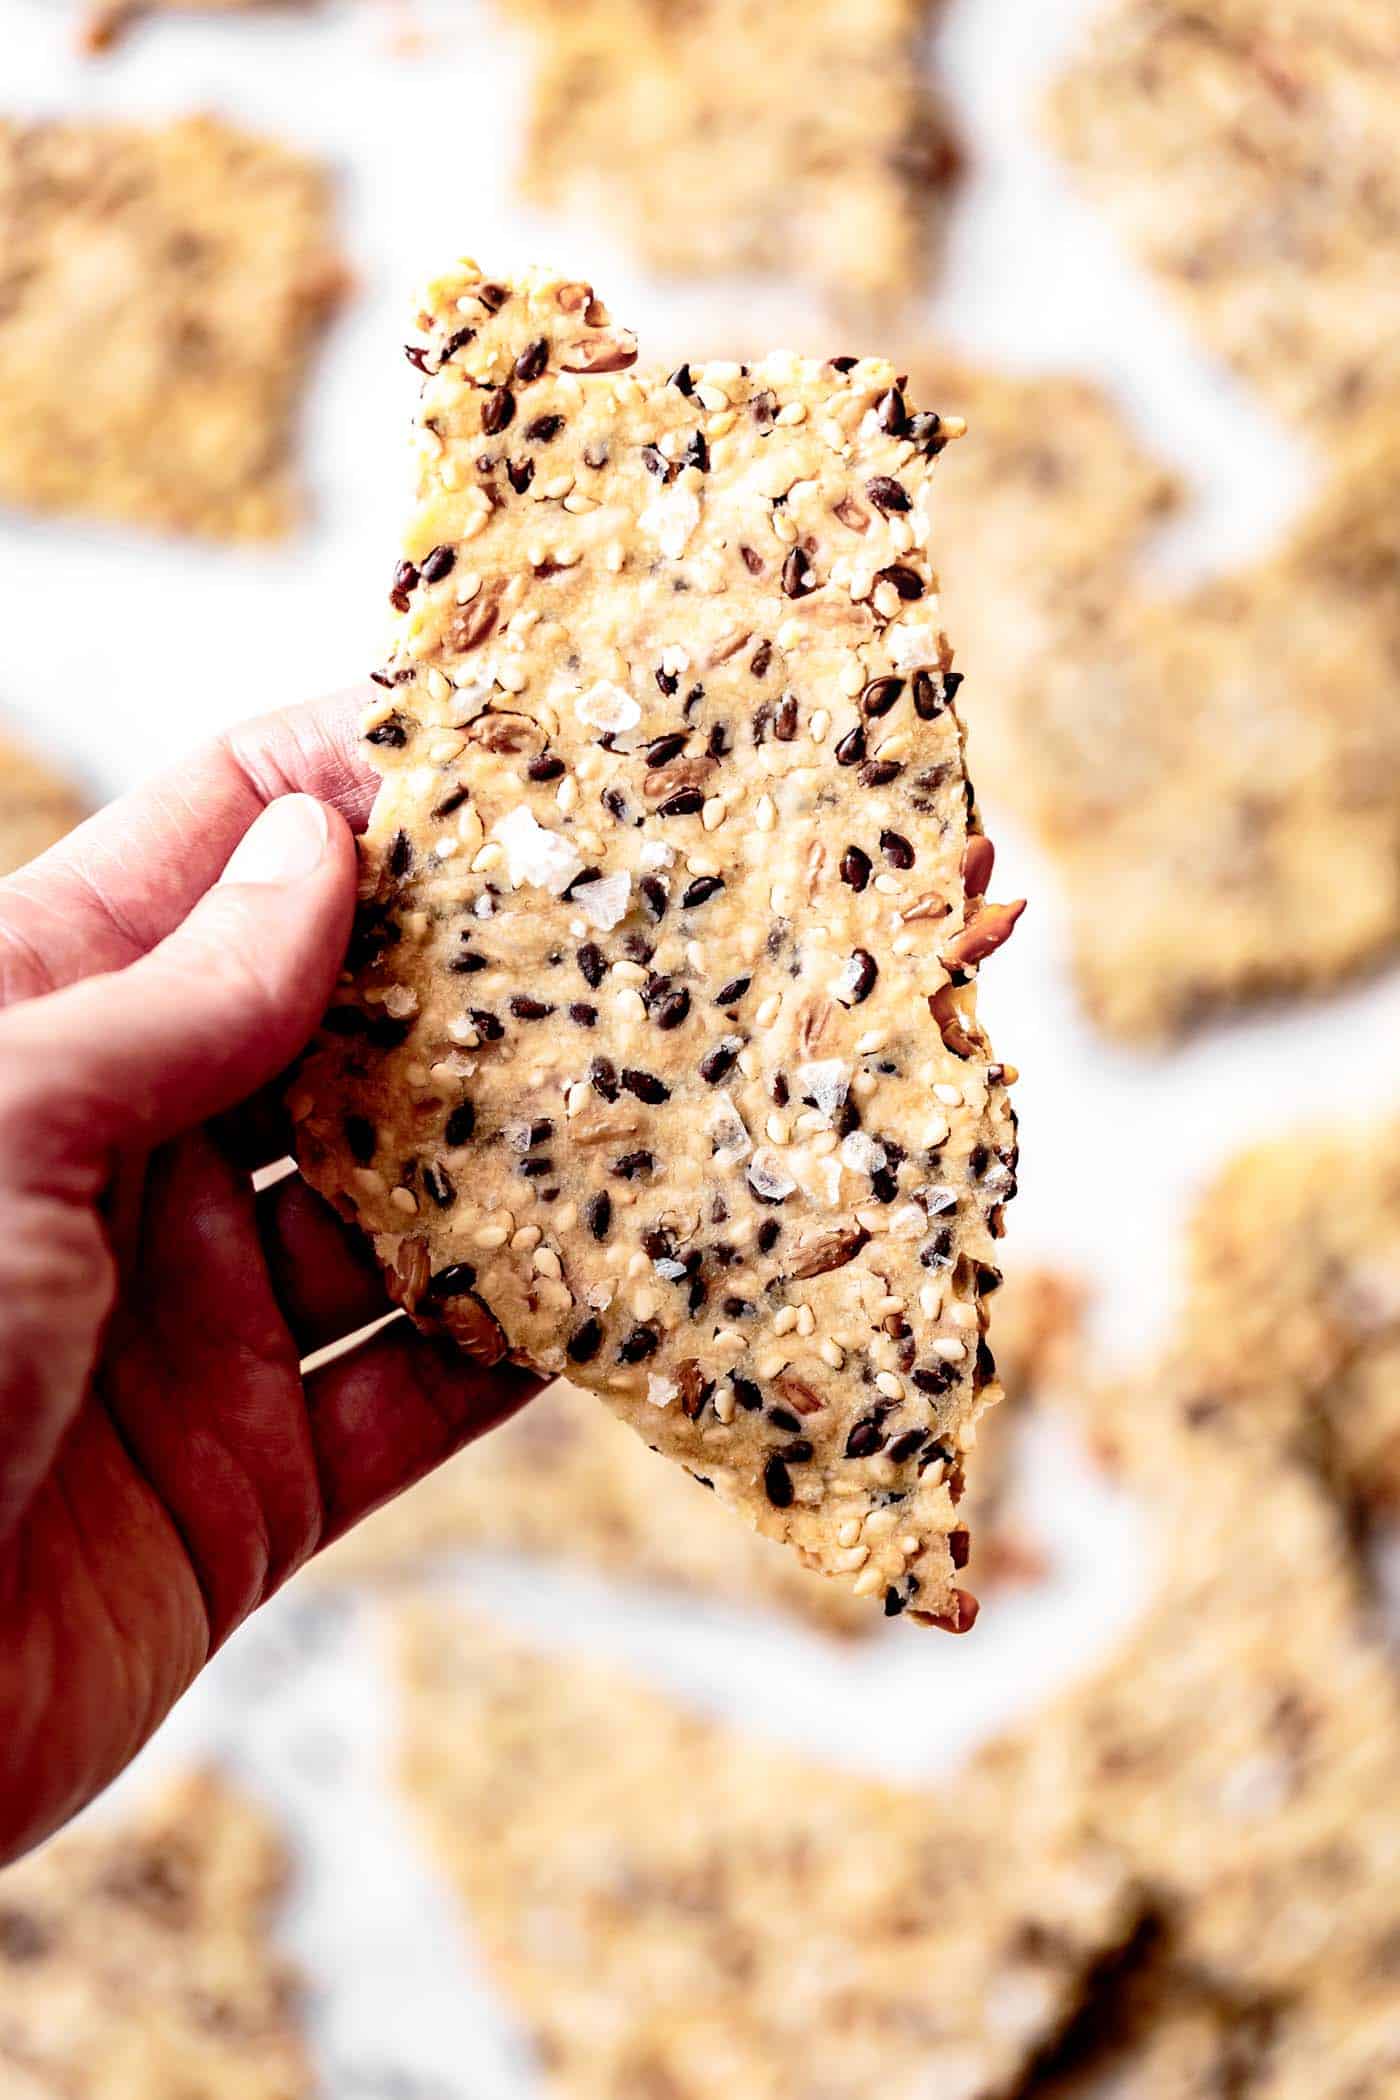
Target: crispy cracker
[[674, 1909], [1247, 151], [135, 1958], [1218, 777], [564, 1479], [36, 807], [634, 1075], [714, 137], [160, 293]]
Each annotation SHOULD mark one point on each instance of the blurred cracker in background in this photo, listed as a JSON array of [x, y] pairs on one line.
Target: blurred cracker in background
[[108, 22], [136, 1958], [672, 1908], [1217, 776], [1247, 150], [565, 1480], [1291, 1324], [1050, 500], [36, 806], [161, 291], [798, 138]]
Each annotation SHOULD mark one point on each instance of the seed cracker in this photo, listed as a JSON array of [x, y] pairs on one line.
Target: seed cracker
[[565, 1479], [1247, 151], [135, 1959], [675, 1909], [36, 807], [659, 1063], [161, 290], [1218, 777], [711, 136]]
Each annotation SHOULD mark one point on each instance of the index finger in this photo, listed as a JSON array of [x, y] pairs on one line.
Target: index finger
[[124, 879]]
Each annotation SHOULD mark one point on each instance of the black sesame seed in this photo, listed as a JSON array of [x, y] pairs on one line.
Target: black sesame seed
[[673, 1009], [783, 1418], [894, 1603], [453, 1281], [930, 695], [681, 380], [863, 979], [460, 1124], [499, 411], [799, 1452], [880, 772], [389, 734], [768, 1235], [439, 1184], [686, 802], [545, 767], [880, 695], [602, 1074], [656, 462], [441, 562], [887, 494], [591, 964], [905, 1446], [633, 1164], [583, 1015], [598, 1213], [360, 1137], [718, 742], [653, 891], [746, 1393], [777, 1482], [451, 802], [543, 429], [752, 560], [891, 414], [645, 1085], [906, 582], [584, 1343], [469, 963], [701, 890], [730, 994], [855, 867], [715, 1063], [865, 1439], [851, 749], [936, 1381], [697, 453], [400, 854], [666, 748], [637, 1346], [761, 660], [487, 1026], [785, 719], [896, 849], [520, 473], [532, 361], [405, 578], [798, 579], [527, 1009]]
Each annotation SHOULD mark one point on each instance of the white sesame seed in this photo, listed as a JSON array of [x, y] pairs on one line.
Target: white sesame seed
[[644, 1303], [874, 1039], [950, 1096], [547, 1263], [765, 815], [829, 1353], [854, 1557], [490, 1236], [889, 1385], [774, 1362], [806, 1320], [784, 1319], [778, 1128], [566, 794], [848, 1532], [867, 1584], [713, 812], [948, 1348], [403, 1199], [526, 1240]]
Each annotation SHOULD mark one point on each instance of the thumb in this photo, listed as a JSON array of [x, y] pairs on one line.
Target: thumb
[[131, 1058]]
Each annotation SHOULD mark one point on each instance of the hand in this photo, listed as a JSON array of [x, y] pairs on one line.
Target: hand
[[165, 1462]]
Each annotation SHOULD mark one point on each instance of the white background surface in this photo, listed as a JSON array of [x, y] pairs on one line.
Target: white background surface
[[119, 653]]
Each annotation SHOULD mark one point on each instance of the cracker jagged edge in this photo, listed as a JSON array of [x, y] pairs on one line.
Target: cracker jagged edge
[[658, 1061]]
